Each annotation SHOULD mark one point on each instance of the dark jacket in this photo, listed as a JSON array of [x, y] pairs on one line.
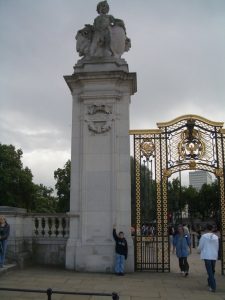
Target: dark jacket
[[121, 245], [4, 232]]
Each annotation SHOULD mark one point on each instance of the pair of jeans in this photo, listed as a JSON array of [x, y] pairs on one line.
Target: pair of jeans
[[3, 252], [120, 261], [210, 268], [183, 264]]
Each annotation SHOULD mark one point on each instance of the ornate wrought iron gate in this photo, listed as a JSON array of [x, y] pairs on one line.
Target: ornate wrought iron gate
[[188, 142]]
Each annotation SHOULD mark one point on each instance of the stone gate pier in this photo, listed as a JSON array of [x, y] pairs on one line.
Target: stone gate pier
[[101, 88]]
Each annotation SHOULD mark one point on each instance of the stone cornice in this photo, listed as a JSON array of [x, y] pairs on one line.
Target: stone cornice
[[78, 78]]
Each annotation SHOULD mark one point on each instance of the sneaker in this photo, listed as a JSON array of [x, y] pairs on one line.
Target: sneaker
[[212, 290], [186, 274]]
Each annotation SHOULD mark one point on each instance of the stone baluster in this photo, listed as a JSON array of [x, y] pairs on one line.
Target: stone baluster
[[56, 223], [43, 225], [36, 226], [64, 225], [50, 224]]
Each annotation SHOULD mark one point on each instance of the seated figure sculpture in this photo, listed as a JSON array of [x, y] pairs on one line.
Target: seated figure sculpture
[[105, 38]]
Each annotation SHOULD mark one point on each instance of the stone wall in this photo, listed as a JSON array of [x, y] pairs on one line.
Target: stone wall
[[36, 238]]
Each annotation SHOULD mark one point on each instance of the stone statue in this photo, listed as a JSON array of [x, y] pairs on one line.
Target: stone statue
[[105, 38]]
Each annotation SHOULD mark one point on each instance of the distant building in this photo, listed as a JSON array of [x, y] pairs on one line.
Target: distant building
[[198, 178]]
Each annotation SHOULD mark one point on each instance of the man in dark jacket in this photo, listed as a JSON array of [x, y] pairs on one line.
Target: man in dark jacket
[[121, 251], [4, 234]]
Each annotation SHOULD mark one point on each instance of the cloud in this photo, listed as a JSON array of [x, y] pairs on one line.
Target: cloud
[[22, 132], [177, 51], [43, 163]]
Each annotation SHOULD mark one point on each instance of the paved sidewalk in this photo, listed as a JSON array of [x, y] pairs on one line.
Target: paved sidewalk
[[136, 286]]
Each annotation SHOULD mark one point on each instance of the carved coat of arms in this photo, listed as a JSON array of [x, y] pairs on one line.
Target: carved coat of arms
[[99, 118]]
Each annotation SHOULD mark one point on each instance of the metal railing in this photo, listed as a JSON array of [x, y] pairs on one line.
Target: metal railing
[[50, 291]]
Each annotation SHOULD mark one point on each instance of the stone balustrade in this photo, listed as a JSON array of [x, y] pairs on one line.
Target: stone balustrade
[[38, 237], [50, 226]]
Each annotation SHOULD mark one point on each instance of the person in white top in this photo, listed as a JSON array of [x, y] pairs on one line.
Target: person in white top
[[208, 247]]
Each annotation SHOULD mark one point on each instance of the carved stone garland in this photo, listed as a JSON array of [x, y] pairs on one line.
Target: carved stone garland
[[99, 118]]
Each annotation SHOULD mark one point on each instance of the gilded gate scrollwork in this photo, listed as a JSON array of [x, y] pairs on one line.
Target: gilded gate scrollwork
[[188, 142]]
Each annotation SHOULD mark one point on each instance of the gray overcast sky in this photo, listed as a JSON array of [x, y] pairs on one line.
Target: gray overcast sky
[[178, 52]]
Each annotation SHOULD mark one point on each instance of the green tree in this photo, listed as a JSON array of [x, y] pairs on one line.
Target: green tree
[[190, 195], [147, 196], [44, 201], [62, 186], [16, 186], [215, 200], [26, 189], [209, 201], [203, 204], [176, 199]]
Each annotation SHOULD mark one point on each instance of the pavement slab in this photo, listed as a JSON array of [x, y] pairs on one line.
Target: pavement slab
[[133, 286]]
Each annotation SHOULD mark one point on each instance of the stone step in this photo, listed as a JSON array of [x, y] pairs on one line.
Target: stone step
[[8, 267]]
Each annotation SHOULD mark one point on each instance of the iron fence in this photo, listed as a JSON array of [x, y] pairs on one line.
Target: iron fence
[[49, 292]]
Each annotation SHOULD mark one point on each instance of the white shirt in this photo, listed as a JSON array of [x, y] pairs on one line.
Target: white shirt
[[209, 246]]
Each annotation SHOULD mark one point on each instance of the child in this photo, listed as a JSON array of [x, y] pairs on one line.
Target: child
[[101, 38], [121, 251]]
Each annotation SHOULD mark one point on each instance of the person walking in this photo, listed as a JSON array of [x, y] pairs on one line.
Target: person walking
[[208, 247], [4, 234], [171, 232], [182, 244], [121, 250]]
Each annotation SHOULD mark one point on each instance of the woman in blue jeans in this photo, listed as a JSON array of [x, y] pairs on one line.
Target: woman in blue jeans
[[182, 244], [4, 234]]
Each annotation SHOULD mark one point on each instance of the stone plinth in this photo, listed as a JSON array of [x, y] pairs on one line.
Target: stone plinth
[[100, 175]]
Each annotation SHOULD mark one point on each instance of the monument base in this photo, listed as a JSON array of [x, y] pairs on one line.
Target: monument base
[[95, 257], [101, 64]]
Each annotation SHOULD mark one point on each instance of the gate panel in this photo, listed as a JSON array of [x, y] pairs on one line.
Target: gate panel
[[150, 247], [221, 176], [187, 143]]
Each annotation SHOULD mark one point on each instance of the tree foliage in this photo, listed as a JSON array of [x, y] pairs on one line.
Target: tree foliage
[[176, 201], [62, 186], [17, 189], [45, 202], [16, 183], [16, 186], [203, 204], [147, 194]]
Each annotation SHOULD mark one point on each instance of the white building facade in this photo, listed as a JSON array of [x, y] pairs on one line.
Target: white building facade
[[198, 178]]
